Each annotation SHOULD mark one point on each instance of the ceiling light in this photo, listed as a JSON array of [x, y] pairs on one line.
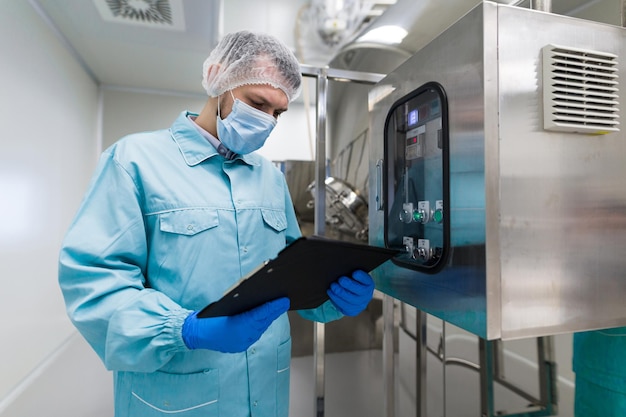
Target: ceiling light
[[389, 34]]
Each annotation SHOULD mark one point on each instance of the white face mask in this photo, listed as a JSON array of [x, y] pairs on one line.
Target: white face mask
[[245, 129]]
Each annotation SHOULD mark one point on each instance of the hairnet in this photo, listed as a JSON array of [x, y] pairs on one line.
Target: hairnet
[[243, 58]]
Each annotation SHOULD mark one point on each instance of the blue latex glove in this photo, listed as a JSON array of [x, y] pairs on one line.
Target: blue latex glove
[[232, 334], [352, 294]]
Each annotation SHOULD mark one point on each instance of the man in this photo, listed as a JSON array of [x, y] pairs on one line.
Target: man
[[171, 220]]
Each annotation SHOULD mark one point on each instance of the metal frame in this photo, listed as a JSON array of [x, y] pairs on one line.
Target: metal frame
[[492, 371], [323, 75], [490, 368]]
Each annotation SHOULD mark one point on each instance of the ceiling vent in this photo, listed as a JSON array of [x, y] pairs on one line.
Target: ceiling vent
[[580, 90], [163, 14]]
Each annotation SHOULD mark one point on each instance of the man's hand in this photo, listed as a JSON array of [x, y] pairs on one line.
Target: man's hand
[[352, 294], [232, 334]]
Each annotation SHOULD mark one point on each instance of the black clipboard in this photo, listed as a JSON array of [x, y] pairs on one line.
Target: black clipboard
[[302, 271]]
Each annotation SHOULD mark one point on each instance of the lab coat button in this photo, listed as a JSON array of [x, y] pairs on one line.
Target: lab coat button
[[255, 403], [190, 227]]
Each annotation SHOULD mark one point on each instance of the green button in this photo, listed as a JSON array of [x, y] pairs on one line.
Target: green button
[[438, 216], [418, 216]]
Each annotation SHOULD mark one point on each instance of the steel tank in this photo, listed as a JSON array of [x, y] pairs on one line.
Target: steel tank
[[517, 180]]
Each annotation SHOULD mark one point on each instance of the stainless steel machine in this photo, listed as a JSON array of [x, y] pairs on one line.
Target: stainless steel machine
[[497, 164], [495, 160]]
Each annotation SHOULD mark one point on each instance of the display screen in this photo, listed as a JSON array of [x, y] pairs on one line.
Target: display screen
[[423, 113], [415, 180], [413, 118]]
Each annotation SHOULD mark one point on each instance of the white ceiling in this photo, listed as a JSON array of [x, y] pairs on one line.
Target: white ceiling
[[148, 58], [144, 57]]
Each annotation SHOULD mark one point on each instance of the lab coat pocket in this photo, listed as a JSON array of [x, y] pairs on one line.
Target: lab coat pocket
[[273, 233], [282, 378], [275, 219], [181, 236], [158, 394], [189, 221]]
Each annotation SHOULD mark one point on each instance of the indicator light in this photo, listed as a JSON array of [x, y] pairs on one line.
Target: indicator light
[[438, 215]]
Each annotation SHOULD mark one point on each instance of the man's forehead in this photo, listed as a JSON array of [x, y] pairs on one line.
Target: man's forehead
[[267, 92]]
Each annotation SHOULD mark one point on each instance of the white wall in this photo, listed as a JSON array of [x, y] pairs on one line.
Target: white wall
[[136, 111], [52, 133], [48, 114]]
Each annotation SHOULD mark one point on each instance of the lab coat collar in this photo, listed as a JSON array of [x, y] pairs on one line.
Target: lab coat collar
[[196, 148]]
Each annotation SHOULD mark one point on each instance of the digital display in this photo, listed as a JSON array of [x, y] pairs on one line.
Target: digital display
[[413, 118], [416, 180], [422, 113]]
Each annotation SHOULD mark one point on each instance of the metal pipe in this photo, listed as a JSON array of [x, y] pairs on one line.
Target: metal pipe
[[319, 364], [498, 360], [319, 221], [420, 361], [319, 228], [439, 355], [541, 5], [388, 356], [335, 74], [444, 384], [486, 381], [323, 75], [547, 374]]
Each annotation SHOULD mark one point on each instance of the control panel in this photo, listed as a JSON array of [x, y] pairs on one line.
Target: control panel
[[415, 179]]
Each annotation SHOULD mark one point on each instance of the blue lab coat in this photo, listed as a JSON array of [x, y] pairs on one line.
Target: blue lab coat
[[166, 227]]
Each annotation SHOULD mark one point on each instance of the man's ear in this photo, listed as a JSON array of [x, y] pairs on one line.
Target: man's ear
[[212, 72]]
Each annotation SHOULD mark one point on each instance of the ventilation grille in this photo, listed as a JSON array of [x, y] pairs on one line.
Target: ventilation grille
[[581, 90], [145, 11], [167, 14]]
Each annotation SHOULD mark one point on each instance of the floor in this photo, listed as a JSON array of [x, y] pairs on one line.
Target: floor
[[353, 385], [74, 383]]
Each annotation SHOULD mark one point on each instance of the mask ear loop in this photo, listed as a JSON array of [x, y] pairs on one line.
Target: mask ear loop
[[223, 150], [218, 103]]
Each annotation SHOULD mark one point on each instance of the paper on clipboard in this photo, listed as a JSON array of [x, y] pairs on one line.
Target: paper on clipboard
[[302, 271]]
